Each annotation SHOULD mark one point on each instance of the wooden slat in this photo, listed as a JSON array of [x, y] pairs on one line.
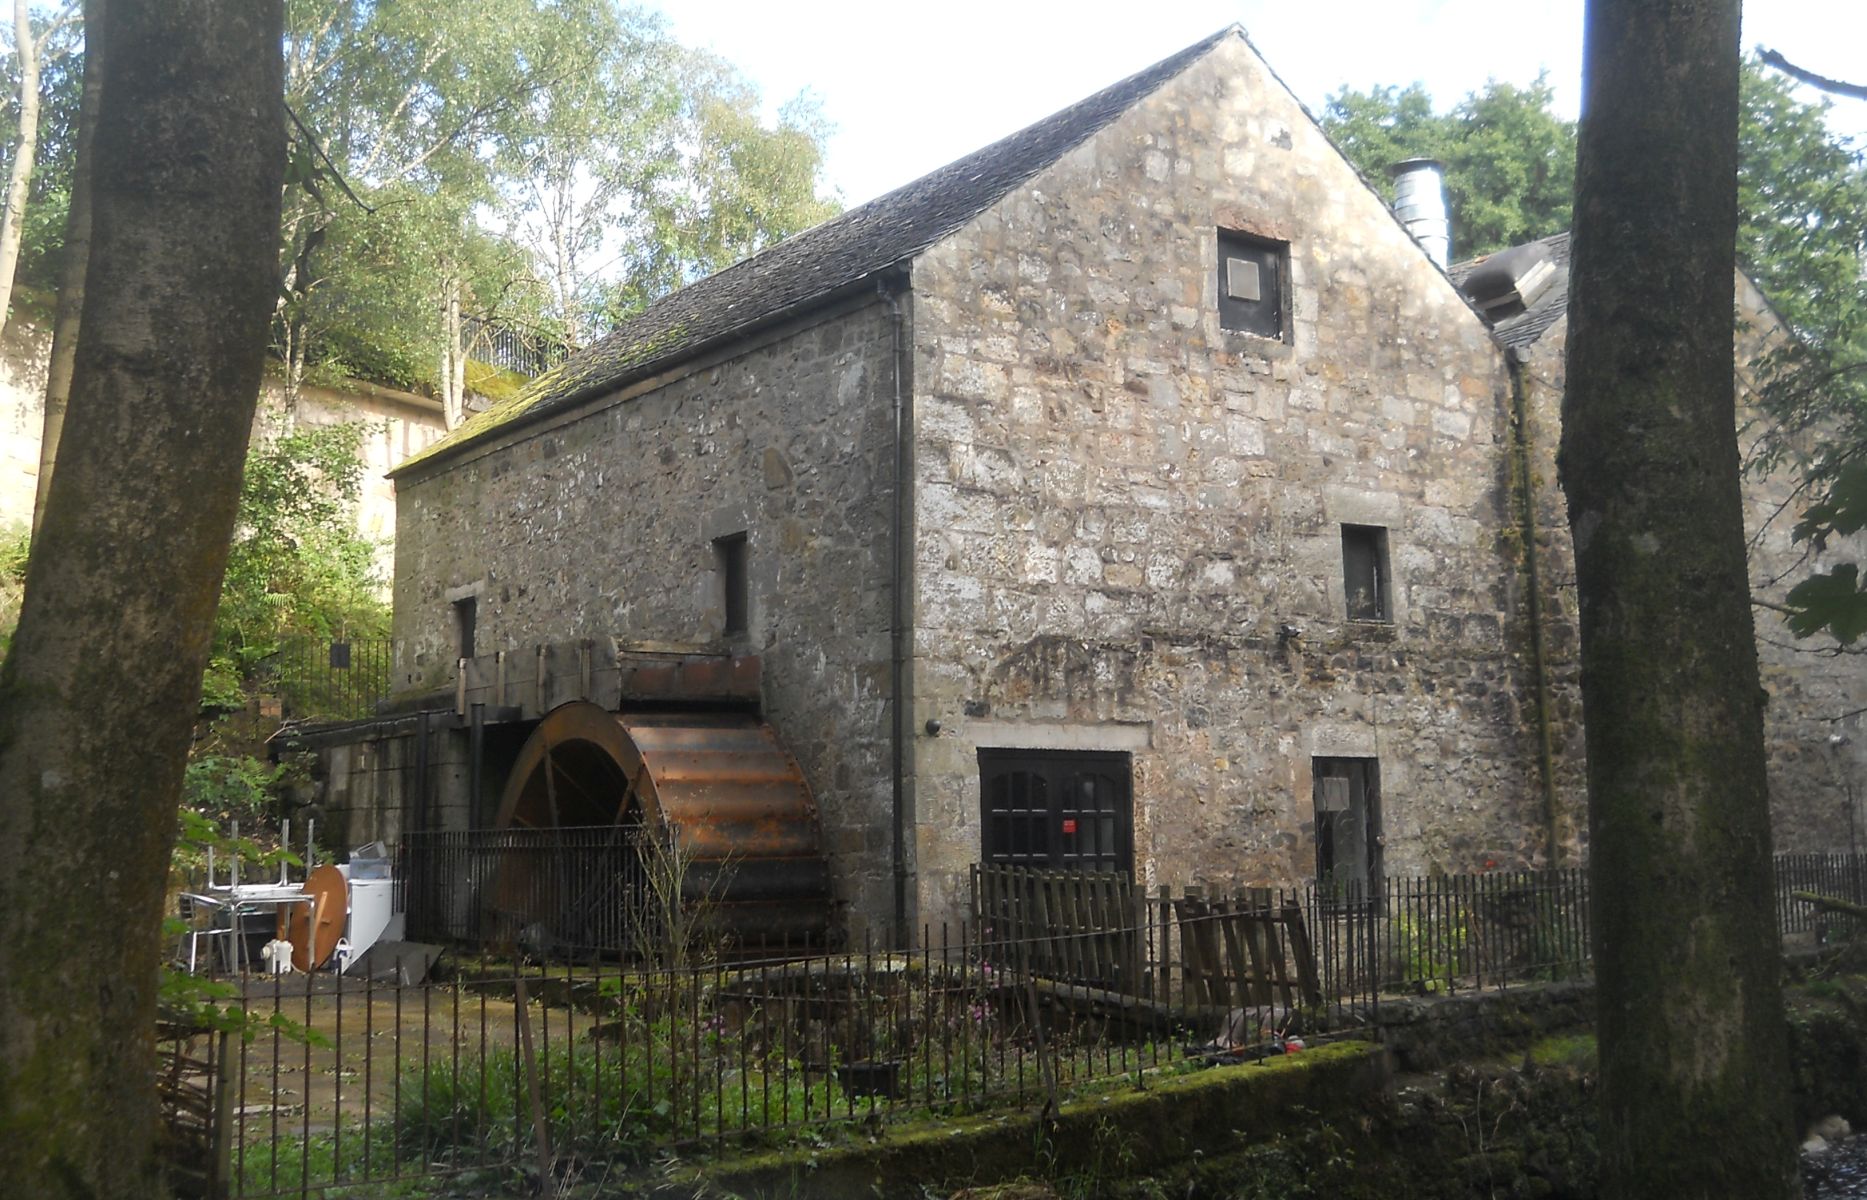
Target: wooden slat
[[1040, 896], [1231, 929], [1304, 954]]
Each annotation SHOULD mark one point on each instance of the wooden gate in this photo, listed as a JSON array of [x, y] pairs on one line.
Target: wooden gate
[[1086, 927], [1245, 950]]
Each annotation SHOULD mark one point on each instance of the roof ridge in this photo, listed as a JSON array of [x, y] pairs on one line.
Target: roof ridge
[[1196, 50], [824, 260]]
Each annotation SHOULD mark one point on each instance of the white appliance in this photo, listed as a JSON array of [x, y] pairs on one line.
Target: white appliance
[[372, 916]]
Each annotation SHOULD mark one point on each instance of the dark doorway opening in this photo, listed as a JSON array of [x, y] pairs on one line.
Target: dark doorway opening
[[1348, 824]]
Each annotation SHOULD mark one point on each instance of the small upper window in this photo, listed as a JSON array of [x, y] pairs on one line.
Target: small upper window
[[729, 553], [1364, 573], [1252, 291]]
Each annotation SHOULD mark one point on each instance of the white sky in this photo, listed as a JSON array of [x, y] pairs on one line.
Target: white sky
[[910, 87]]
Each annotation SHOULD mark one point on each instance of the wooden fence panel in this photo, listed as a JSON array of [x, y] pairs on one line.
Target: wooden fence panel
[[1249, 948]]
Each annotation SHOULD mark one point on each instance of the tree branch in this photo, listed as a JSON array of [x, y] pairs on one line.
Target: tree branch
[[1836, 87]]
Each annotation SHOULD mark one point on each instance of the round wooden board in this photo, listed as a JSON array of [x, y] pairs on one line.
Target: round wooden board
[[312, 947]]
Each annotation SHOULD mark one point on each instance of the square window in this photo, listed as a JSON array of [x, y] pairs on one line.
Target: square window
[[1253, 297], [1364, 573], [729, 555]]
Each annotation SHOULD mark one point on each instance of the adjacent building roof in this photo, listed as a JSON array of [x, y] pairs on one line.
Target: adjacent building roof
[[1520, 330], [820, 262]]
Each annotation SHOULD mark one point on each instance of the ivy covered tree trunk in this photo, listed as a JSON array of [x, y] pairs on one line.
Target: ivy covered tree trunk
[[99, 691], [1694, 1088]]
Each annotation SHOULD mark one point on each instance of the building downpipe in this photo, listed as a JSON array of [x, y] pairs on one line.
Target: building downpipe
[[901, 615], [1524, 468], [1420, 203]]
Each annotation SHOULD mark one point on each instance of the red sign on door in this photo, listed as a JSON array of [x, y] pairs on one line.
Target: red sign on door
[[1069, 824]]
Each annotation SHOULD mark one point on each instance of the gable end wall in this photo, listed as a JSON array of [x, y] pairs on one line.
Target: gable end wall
[[1120, 505]]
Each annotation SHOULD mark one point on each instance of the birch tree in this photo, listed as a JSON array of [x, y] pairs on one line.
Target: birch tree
[[28, 47], [76, 260]]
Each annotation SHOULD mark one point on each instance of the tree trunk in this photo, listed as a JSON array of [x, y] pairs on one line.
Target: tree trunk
[[1694, 1089], [77, 259], [453, 355], [19, 176], [99, 691]]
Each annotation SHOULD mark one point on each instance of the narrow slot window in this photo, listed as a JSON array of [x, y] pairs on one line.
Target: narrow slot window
[[735, 602], [466, 617]]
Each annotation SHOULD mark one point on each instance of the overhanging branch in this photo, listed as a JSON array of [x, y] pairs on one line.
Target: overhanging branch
[[1836, 87]]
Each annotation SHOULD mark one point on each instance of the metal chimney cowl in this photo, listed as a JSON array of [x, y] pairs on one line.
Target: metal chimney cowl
[[1420, 203]]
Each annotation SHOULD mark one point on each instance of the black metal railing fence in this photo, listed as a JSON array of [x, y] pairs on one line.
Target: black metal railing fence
[[542, 892], [329, 679], [555, 1049], [516, 348]]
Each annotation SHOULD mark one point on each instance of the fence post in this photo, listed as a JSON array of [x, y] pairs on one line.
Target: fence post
[[220, 1169]]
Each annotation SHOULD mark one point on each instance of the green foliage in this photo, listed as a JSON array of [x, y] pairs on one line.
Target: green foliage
[[735, 187], [611, 161], [1803, 205], [1575, 1051], [231, 787], [14, 545], [611, 1103], [1802, 197], [1427, 956], [1803, 193], [561, 161], [296, 564], [61, 79], [1509, 160]]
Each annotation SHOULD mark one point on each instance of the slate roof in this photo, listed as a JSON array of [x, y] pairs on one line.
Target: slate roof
[[1520, 331], [818, 263]]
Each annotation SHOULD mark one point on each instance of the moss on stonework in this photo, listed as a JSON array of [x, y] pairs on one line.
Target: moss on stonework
[[1321, 1124], [555, 384], [1828, 1048], [495, 383]]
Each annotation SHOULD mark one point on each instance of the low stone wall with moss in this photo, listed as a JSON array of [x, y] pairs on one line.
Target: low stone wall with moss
[[1351, 1121], [1427, 1033], [1090, 1146], [1828, 1048]]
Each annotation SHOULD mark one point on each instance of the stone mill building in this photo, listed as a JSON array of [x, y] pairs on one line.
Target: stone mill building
[[1137, 493]]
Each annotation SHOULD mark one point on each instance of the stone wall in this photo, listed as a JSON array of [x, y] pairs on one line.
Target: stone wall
[[370, 789], [1129, 519], [398, 424], [602, 525], [1813, 691]]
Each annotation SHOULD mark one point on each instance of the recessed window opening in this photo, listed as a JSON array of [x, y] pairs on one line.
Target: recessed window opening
[[1252, 280], [729, 555], [466, 617], [1348, 825], [1365, 584]]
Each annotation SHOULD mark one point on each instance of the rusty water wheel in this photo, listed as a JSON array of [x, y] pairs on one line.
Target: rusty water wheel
[[716, 790]]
